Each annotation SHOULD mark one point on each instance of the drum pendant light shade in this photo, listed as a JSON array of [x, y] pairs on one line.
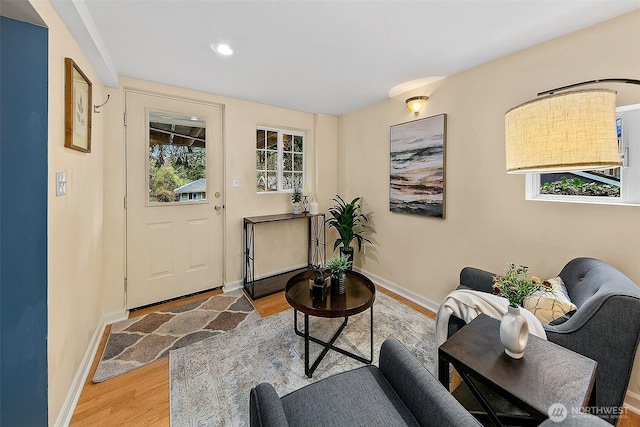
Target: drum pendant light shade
[[562, 132]]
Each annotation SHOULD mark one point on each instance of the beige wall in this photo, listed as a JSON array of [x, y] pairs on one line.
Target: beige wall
[[488, 223], [75, 223]]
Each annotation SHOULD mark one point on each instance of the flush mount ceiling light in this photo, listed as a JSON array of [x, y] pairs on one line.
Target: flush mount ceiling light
[[573, 130], [416, 103], [222, 48]]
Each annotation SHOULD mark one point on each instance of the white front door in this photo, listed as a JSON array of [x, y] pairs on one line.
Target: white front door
[[174, 200]]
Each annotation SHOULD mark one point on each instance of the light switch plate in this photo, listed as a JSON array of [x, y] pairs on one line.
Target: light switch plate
[[61, 183], [236, 182]]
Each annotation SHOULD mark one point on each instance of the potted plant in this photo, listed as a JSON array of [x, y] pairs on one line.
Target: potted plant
[[515, 285], [350, 223], [296, 197], [338, 265]]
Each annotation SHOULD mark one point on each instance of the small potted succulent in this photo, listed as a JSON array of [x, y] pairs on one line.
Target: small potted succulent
[[296, 197], [338, 266]]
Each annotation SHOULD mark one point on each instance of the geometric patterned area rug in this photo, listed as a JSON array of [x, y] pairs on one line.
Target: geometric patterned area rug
[[138, 341], [210, 380]]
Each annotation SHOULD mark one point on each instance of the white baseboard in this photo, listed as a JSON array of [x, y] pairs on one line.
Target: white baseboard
[[412, 296], [64, 417], [228, 287], [632, 402]]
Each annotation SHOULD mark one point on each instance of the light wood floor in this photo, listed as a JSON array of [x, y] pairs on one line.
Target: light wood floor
[[141, 397]]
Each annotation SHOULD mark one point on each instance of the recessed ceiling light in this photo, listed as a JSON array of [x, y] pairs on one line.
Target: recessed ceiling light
[[222, 49]]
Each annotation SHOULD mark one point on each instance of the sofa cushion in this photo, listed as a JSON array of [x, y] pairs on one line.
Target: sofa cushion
[[358, 397], [550, 304]]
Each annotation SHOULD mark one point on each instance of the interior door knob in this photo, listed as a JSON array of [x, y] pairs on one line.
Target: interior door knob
[[217, 207]]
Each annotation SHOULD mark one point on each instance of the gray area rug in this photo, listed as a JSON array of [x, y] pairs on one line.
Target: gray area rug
[[210, 380], [138, 341]]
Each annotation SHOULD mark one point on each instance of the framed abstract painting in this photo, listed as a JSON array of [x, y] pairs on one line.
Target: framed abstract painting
[[417, 172]]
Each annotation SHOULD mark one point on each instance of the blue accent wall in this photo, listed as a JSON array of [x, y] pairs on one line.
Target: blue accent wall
[[23, 223]]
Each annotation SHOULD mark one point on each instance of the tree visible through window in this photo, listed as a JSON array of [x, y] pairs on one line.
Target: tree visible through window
[[177, 158], [279, 159]]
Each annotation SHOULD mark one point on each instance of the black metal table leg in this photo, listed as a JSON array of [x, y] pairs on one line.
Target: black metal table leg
[[328, 345], [371, 333], [443, 372], [307, 372], [490, 412]]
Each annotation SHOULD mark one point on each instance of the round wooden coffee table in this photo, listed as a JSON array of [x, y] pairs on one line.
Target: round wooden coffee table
[[359, 295]]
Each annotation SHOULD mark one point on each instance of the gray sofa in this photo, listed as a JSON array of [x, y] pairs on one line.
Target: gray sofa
[[400, 392], [605, 327]]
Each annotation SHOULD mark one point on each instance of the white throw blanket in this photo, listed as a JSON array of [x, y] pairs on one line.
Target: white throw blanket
[[467, 304]]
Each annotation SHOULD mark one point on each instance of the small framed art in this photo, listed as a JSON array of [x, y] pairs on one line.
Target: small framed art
[[77, 108]]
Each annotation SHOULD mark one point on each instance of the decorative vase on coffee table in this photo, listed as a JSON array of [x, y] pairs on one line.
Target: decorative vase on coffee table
[[338, 285], [514, 332]]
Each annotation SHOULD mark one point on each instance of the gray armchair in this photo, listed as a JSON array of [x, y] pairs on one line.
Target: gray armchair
[[401, 392], [605, 327]]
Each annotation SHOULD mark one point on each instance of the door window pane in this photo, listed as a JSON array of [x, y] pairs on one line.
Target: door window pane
[[177, 158]]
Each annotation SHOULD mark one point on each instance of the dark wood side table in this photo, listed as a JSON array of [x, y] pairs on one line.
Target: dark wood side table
[[359, 295], [548, 374]]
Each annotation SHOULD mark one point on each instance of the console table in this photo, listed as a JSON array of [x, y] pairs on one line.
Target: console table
[[548, 374], [264, 286]]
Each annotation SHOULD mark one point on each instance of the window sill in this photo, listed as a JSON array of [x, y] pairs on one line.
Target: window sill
[[612, 201]]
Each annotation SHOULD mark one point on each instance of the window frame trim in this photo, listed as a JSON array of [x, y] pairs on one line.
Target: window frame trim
[[532, 192], [280, 159]]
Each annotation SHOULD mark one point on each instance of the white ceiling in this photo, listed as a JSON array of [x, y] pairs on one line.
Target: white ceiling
[[327, 57]]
